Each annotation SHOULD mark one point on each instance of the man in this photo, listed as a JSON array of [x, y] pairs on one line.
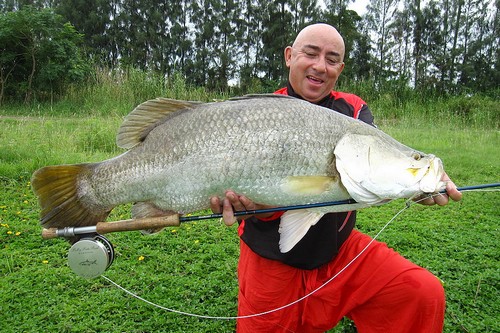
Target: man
[[380, 290]]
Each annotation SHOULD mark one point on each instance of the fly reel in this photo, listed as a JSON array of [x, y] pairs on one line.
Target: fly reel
[[90, 256]]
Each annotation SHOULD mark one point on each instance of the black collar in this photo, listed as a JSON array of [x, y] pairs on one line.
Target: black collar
[[324, 102]]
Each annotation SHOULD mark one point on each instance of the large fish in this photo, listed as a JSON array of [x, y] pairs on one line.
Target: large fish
[[276, 150]]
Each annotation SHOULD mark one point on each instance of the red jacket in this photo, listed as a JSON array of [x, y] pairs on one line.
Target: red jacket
[[323, 240]]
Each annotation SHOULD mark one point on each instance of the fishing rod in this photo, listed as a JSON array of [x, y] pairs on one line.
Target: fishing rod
[[176, 219], [169, 220], [92, 253]]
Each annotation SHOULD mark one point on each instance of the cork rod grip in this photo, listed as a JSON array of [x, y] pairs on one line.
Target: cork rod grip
[[122, 225]]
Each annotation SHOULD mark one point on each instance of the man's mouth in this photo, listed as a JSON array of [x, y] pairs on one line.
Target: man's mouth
[[314, 79]]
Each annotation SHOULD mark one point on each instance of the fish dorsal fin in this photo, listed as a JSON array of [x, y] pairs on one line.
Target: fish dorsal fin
[[294, 225], [146, 116], [268, 96]]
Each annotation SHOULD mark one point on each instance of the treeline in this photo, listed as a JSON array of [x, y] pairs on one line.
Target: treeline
[[437, 47]]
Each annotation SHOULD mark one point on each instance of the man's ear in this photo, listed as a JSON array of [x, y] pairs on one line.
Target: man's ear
[[288, 55]]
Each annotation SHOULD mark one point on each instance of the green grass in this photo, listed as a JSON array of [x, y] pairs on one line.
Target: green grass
[[193, 267]]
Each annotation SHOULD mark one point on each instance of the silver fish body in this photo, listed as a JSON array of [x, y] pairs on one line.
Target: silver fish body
[[276, 150]]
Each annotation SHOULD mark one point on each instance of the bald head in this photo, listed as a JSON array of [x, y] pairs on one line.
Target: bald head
[[315, 61], [321, 31]]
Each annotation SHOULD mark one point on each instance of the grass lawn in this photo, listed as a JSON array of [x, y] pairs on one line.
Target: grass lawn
[[192, 268]]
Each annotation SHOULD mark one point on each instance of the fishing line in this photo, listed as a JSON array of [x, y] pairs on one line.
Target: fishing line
[[408, 204], [269, 311]]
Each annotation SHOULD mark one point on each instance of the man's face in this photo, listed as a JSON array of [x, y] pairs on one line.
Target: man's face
[[315, 61]]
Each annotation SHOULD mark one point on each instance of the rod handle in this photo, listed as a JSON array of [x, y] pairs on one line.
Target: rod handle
[[122, 225], [138, 224]]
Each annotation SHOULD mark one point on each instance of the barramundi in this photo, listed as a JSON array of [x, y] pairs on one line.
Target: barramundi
[[274, 149]]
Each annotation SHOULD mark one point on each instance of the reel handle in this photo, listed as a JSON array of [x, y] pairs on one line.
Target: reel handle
[[122, 225]]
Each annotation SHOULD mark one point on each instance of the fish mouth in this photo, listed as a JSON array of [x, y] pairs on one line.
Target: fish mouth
[[431, 181]]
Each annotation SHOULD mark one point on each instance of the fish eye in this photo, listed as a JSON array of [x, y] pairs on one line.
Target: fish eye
[[416, 156]]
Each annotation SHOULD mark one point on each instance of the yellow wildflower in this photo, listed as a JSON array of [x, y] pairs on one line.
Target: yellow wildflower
[[45, 262], [141, 258]]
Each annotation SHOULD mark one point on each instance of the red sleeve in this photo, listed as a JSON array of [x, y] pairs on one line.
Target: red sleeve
[[356, 101]]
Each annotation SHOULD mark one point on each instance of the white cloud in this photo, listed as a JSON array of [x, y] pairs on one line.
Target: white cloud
[[359, 6]]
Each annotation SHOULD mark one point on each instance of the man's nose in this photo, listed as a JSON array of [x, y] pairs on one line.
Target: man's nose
[[320, 64]]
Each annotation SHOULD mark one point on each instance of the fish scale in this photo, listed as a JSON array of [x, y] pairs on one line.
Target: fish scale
[[276, 150], [228, 150]]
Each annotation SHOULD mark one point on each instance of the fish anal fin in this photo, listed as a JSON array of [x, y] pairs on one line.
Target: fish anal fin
[[309, 185], [146, 116], [57, 190], [294, 225], [148, 209]]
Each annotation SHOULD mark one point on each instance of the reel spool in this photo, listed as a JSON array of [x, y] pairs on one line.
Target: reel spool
[[90, 256]]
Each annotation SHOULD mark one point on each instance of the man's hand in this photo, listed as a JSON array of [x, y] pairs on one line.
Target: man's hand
[[233, 202], [442, 199]]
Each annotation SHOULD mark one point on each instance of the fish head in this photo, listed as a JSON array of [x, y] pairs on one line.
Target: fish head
[[375, 168]]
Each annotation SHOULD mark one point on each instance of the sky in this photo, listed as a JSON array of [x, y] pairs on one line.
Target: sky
[[359, 6]]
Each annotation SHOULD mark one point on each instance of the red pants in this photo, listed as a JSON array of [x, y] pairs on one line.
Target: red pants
[[381, 292]]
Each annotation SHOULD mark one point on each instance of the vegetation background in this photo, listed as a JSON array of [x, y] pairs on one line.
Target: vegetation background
[[193, 268], [70, 71], [436, 48]]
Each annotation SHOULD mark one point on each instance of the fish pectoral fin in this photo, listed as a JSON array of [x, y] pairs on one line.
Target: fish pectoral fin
[[294, 225], [138, 123], [148, 209], [308, 185]]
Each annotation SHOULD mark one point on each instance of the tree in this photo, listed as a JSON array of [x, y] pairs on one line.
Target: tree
[[447, 46], [92, 18], [225, 43], [402, 33], [179, 35], [250, 26], [40, 54], [9, 51], [476, 66], [348, 23], [303, 12], [380, 19], [275, 37], [360, 66], [204, 23]]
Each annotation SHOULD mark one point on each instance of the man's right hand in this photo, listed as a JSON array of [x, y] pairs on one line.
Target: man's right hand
[[232, 202]]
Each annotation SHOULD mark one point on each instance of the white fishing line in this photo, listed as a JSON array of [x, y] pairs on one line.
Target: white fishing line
[[408, 204], [269, 311]]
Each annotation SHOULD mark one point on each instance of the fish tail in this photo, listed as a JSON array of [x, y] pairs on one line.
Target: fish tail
[[61, 206]]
